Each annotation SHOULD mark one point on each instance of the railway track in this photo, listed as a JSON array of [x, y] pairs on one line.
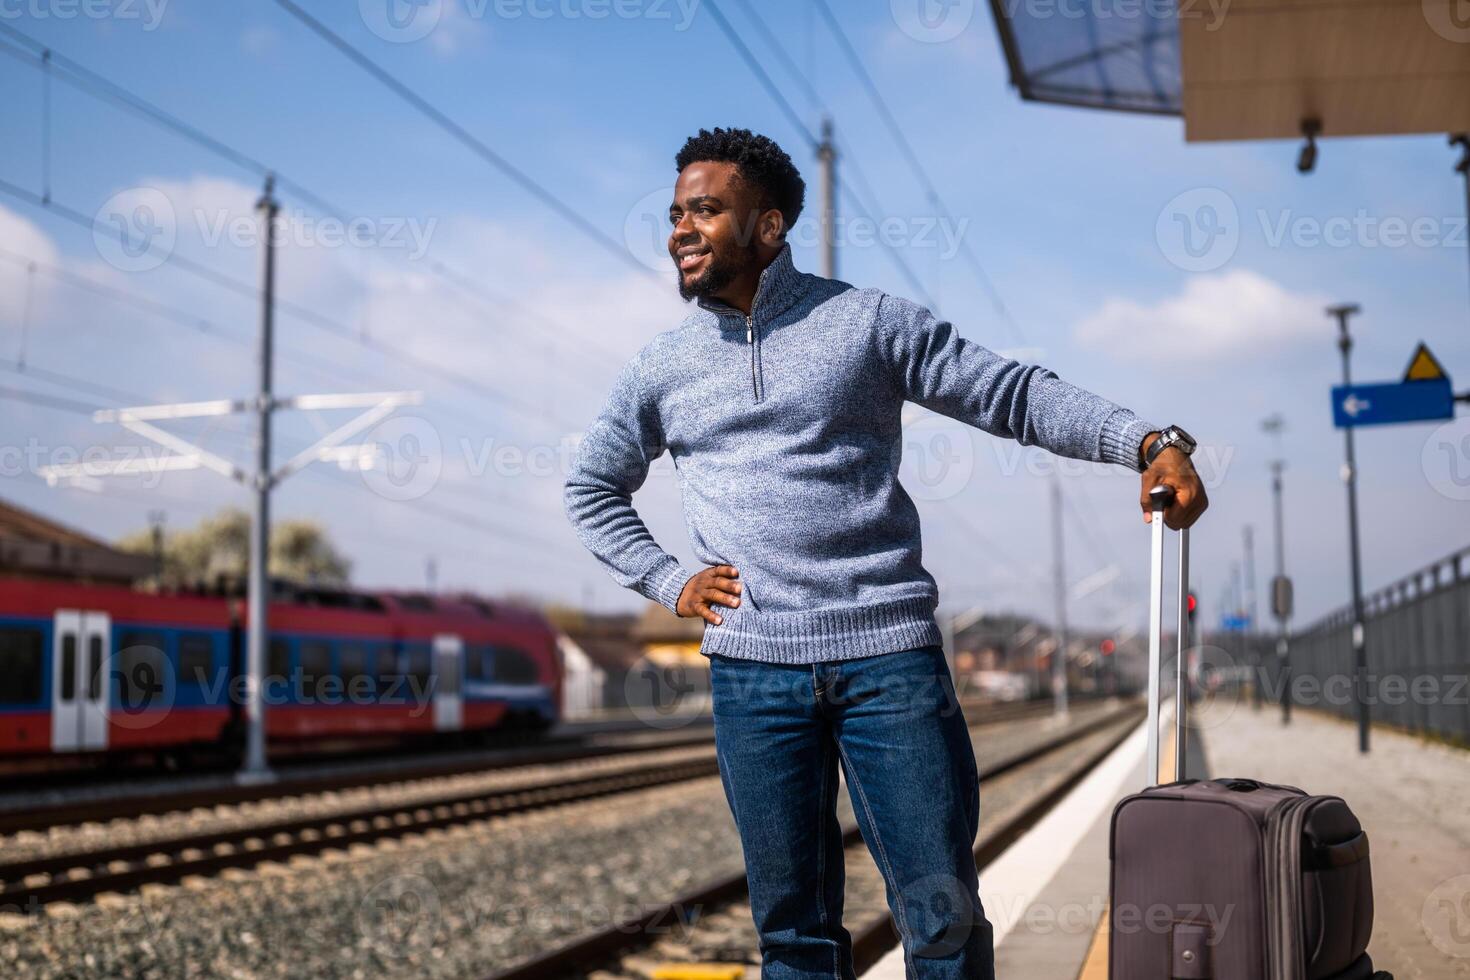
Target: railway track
[[570, 749], [27, 885], [559, 750], [622, 949]]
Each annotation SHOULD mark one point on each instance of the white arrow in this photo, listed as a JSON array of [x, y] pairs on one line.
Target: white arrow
[[1352, 404]]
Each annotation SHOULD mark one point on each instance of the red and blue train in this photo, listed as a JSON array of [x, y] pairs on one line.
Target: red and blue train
[[107, 671]]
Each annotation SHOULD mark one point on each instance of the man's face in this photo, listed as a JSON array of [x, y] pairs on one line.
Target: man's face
[[715, 236]]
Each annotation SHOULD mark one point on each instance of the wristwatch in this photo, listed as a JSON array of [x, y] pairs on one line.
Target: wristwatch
[[1170, 436]]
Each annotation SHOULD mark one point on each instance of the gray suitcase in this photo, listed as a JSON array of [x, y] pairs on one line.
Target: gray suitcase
[[1231, 879]]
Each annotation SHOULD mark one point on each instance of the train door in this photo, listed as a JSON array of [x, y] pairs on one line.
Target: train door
[[448, 668], [81, 683]]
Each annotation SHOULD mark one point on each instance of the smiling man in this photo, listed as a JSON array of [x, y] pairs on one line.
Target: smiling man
[[780, 400]]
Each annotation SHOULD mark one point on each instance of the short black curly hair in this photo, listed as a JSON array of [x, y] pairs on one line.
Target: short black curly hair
[[760, 162]]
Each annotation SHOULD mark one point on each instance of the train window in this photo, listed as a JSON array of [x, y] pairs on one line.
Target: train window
[[416, 666], [514, 666], [20, 665], [68, 666], [474, 663], [94, 667], [388, 673], [279, 659], [141, 670], [196, 659], [316, 664], [354, 667]]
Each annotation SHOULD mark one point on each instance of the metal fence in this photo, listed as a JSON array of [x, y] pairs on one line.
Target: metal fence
[[1418, 646]]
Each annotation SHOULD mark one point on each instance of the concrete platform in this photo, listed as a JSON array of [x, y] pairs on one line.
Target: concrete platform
[[1413, 799]]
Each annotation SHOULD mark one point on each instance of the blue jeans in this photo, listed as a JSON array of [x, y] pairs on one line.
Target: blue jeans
[[894, 725]]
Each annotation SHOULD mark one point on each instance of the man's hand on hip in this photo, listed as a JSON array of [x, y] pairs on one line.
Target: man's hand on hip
[[1173, 468], [715, 586]]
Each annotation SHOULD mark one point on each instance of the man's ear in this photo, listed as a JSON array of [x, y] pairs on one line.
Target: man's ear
[[771, 227]]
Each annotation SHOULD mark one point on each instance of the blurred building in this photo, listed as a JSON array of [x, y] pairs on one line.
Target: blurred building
[[669, 640], [36, 547], [621, 660], [1008, 657], [598, 652]]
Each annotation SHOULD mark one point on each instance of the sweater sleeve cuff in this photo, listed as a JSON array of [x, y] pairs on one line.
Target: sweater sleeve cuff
[[1122, 437], [666, 583]]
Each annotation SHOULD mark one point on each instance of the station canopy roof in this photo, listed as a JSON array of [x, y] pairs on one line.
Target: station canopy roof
[[1072, 52], [1249, 69]]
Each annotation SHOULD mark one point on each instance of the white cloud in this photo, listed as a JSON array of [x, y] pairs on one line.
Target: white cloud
[[1233, 315]]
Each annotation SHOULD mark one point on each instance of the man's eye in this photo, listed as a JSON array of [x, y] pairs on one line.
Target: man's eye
[[706, 209], [673, 218]]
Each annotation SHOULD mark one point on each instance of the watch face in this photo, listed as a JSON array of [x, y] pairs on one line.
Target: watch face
[[1181, 439]]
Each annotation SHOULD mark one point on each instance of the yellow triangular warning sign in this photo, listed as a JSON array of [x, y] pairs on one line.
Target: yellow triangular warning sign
[[1423, 366]]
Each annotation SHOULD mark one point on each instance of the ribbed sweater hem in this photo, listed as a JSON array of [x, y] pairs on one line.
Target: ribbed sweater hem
[[824, 635]]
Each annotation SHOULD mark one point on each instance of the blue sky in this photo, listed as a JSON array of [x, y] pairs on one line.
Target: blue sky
[[1071, 212]]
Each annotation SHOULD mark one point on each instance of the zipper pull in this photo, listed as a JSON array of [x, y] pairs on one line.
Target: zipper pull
[[749, 331]]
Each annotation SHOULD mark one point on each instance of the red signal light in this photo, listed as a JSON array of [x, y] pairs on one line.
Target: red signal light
[[1108, 646], [1192, 603]]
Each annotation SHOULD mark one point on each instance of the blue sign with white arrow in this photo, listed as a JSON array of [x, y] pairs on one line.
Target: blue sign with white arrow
[[1235, 623], [1382, 404]]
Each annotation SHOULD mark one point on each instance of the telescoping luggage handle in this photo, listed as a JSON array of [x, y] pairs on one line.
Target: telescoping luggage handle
[[1160, 498]]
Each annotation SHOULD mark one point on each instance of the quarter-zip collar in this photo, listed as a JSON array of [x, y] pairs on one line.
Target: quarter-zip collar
[[779, 286]]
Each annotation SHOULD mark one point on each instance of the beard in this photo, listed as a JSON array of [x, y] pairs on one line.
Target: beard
[[723, 269]]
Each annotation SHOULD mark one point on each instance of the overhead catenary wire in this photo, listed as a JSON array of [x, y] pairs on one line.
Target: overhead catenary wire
[[850, 160], [162, 311], [121, 396], [476, 145], [891, 122], [813, 143], [55, 377], [47, 401], [79, 76], [107, 90], [773, 44], [304, 314]]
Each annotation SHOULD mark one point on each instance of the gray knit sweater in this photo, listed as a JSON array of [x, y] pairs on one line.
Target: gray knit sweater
[[784, 428]]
